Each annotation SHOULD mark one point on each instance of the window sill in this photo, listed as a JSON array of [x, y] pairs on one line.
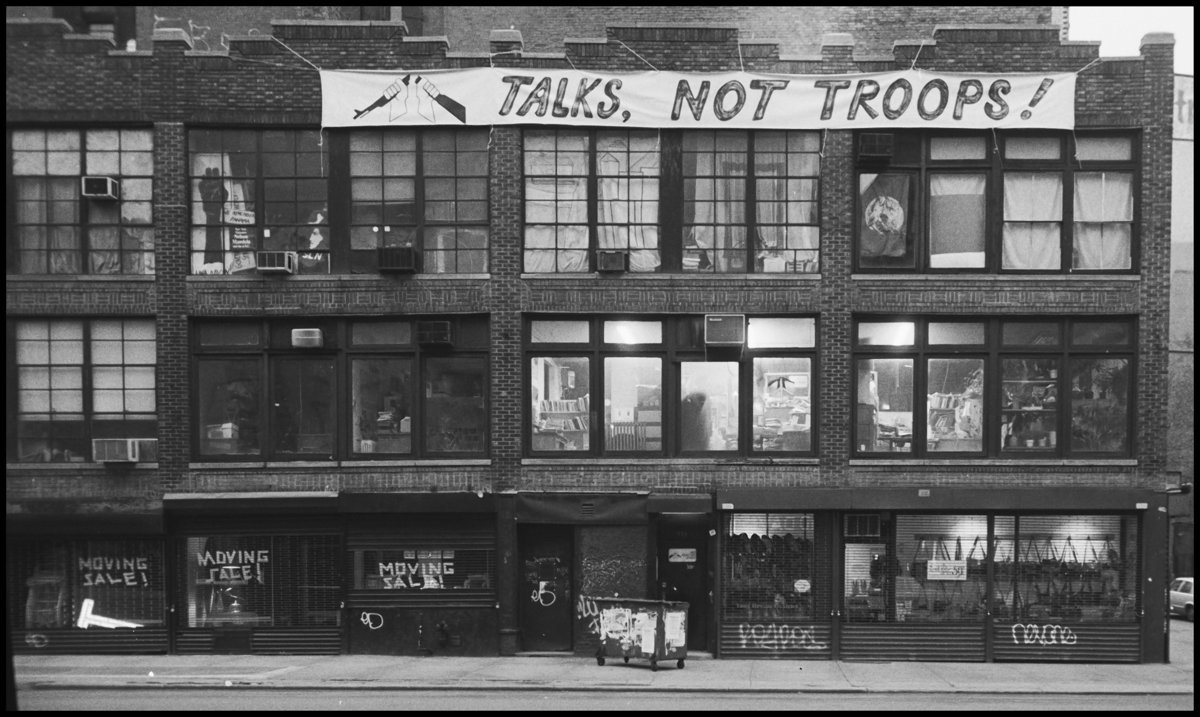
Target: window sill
[[689, 276], [251, 276], [385, 463], [1055, 462], [73, 278], [997, 278], [659, 460], [77, 465]]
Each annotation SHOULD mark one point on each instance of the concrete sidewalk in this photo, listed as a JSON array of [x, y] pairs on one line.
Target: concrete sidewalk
[[700, 674]]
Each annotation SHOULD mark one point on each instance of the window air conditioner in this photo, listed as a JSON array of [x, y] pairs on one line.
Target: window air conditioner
[[433, 332], [308, 338], [99, 187], [613, 260], [124, 450], [724, 329], [875, 145], [277, 262], [398, 259]]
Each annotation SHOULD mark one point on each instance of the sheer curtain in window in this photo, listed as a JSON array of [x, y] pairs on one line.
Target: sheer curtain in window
[[628, 197], [1103, 220], [771, 189], [1032, 220], [718, 225], [556, 229]]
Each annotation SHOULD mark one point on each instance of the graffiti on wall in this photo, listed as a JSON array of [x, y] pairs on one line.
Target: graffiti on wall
[[778, 637], [605, 574], [588, 613], [1043, 635]]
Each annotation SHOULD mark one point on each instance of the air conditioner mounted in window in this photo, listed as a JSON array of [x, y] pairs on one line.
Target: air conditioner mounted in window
[[308, 338], [724, 329], [99, 187], [612, 260], [398, 259], [124, 450], [277, 262], [875, 145], [434, 332]]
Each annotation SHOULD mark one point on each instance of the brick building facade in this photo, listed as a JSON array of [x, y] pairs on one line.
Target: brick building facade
[[429, 501]]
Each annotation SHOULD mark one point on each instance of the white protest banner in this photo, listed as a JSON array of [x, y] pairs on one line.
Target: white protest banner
[[506, 96]]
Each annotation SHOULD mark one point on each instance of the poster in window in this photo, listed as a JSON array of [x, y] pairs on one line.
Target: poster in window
[[884, 219], [242, 242]]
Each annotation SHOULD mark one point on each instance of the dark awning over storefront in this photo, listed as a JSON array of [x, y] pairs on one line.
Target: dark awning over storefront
[[257, 502], [79, 524], [935, 498], [416, 503], [680, 503], [581, 508]]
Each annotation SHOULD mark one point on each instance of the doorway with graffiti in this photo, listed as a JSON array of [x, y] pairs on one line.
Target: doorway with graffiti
[[683, 570], [546, 553]]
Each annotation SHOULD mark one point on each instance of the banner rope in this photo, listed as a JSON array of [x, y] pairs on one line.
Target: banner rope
[[297, 54], [627, 47], [1093, 62]]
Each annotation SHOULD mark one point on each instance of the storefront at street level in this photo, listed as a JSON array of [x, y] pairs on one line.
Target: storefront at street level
[[1055, 575], [86, 583]]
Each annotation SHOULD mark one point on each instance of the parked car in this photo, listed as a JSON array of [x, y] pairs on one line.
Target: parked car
[[1182, 592]]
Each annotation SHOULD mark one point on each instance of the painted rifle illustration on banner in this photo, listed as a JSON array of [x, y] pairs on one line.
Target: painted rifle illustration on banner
[[398, 94]]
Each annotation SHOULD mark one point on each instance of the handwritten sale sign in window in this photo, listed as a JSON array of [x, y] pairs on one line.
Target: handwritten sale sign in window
[[947, 570]]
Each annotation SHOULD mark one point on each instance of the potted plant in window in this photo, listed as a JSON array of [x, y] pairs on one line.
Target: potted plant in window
[[1099, 413]]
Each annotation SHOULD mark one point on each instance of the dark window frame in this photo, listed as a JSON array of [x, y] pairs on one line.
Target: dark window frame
[[421, 231], [89, 422], [271, 350], [87, 213], [994, 353], [682, 342], [672, 202], [318, 256], [912, 158]]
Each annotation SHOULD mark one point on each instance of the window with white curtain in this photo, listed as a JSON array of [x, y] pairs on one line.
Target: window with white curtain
[[1002, 202], [57, 230], [1032, 220], [731, 201], [1103, 220]]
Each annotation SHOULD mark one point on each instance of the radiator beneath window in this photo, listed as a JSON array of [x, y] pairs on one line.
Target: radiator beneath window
[[626, 436]]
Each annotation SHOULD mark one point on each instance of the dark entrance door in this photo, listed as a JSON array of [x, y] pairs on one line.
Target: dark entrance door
[[545, 599], [683, 570]]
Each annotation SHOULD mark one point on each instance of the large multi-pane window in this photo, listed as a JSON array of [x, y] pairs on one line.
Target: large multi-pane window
[[53, 583], [703, 201], [750, 202], [426, 190], [75, 381], [1004, 203], [325, 389], [1007, 387], [651, 386], [257, 190], [258, 580], [62, 225]]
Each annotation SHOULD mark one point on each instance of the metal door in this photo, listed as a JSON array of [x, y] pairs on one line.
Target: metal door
[[545, 598], [683, 571]]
